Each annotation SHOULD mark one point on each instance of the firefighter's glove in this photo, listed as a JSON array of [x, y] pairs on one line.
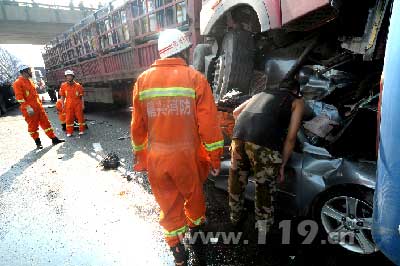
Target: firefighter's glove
[[29, 110]]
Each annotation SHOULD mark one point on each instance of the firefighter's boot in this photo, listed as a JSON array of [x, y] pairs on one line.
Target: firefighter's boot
[[180, 255], [197, 236], [38, 144], [56, 140]]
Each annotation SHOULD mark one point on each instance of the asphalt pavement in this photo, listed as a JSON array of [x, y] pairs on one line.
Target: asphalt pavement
[[59, 207]]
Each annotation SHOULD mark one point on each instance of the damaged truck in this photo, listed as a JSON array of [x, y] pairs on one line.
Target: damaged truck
[[335, 49]]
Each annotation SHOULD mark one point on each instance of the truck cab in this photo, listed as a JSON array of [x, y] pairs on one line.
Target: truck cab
[[249, 32]]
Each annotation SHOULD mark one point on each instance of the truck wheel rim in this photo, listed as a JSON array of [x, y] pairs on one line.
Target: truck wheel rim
[[219, 77]]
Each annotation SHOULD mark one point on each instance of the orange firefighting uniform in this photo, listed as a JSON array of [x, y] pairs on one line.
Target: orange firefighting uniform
[[61, 112], [176, 137], [26, 95], [73, 105]]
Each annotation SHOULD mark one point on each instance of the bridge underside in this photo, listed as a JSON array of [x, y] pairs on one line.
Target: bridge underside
[[15, 32], [35, 24]]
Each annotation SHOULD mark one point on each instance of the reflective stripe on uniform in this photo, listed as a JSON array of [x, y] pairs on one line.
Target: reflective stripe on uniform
[[167, 92], [214, 146], [139, 147], [48, 129], [70, 125], [21, 101], [32, 132], [176, 232], [197, 221]]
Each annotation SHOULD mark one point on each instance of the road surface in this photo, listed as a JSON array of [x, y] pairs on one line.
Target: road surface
[[58, 207]]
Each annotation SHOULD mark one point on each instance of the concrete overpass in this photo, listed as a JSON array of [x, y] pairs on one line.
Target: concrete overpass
[[34, 23]]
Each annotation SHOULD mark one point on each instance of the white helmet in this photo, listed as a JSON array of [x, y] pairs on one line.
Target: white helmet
[[171, 42], [69, 72], [22, 67]]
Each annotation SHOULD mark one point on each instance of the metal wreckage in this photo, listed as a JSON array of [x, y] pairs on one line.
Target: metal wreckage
[[334, 163], [332, 173]]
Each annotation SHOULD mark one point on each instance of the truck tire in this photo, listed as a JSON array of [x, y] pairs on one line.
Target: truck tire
[[234, 66], [199, 54]]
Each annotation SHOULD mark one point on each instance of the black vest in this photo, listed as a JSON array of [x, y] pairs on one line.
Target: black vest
[[266, 118]]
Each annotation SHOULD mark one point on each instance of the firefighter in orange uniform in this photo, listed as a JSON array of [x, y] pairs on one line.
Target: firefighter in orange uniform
[[176, 137], [72, 96], [61, 114], [31, 107]]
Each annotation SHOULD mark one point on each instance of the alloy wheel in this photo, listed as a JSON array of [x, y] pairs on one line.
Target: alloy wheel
[[348, 222]]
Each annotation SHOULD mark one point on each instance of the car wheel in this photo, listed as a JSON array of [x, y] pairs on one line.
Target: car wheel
[[234, 66], [345, 218]]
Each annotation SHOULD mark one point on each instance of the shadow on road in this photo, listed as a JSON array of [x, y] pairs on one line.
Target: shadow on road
[[274, 252], [12, 111], [18, 168], [108, 127]]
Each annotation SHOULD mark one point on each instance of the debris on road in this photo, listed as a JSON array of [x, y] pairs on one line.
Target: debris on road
[[140, 177], [91, 121], [123, 137], [111, 161], [128, 175]]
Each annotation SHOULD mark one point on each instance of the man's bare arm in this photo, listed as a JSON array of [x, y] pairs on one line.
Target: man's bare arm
[[290, 141]]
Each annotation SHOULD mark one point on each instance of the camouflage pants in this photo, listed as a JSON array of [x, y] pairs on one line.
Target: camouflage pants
[[263, 164]]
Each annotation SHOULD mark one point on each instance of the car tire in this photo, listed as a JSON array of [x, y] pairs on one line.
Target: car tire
[[235, 63], [341, 214]]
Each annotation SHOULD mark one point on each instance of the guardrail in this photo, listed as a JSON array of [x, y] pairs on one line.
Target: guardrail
[[49, 6]]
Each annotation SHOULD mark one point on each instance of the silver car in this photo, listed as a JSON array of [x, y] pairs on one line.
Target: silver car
[[334, 191]]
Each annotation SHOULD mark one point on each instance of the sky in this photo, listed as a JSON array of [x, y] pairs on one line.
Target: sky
[[27, 53], [31, 54]]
